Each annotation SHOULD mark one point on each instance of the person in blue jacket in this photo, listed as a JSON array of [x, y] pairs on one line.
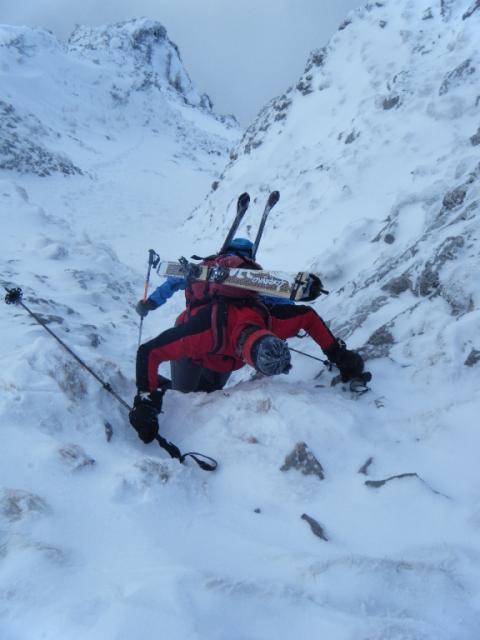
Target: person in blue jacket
[[165, 291]]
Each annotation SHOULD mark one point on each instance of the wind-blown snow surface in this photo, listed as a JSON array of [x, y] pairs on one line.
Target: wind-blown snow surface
[[113, 540]]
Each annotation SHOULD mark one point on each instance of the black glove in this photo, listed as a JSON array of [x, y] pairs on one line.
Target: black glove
[[144, 415], [349, 363], [314, 289], [144, 306]]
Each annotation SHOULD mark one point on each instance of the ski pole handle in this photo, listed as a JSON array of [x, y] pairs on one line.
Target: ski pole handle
[[153, 260], [145, 291]]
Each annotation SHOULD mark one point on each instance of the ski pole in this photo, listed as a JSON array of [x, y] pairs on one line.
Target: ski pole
[[327, 363], [153, 260], [14, 296], [357, 385]]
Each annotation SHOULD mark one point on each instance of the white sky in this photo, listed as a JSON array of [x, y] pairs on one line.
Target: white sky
[[242, 53]]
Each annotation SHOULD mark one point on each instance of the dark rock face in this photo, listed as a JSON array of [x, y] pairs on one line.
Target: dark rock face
[[429, 279], [346, 328], [304, 85], [315, 526], [473, 358], [379, 344], [352, 136], [456, 77], [397, 285], [344, 24], [145, 37], [316, 59], [381, 336], [471, 10], [275, 111], [446, 8], [302, 459], [390, 103], [21, 149], [475, 139], [454, 198]]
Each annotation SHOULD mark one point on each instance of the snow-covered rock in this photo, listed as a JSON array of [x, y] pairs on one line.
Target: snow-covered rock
[[102, 81], [144, 56]]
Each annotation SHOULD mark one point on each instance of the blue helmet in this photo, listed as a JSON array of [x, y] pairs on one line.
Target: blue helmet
[[242, 246]]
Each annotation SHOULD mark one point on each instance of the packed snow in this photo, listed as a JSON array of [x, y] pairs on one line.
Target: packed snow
[[347, 517]]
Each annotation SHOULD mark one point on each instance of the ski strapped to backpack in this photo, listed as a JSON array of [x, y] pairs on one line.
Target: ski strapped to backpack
[[15, 295], [232, 273], [273, 198], [281, 284], [242, 206]]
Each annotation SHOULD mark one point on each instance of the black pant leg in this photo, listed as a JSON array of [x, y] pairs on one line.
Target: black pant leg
[[213, 380], [187, 376]]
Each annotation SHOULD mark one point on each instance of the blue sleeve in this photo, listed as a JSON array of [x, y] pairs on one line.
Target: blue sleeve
[[275, 300], [166, 290]]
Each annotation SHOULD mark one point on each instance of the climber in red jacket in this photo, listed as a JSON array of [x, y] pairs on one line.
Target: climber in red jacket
[[222, 329]]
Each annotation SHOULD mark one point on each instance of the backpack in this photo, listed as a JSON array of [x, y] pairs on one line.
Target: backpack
[[201, 293]]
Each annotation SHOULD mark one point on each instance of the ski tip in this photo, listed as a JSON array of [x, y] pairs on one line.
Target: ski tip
[[273, 198], [244, 199]]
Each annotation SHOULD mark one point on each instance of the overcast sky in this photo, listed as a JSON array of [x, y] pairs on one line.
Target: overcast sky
[[240, 52]]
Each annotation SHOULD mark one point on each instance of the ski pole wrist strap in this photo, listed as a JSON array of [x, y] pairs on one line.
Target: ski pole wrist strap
[[175, 452]]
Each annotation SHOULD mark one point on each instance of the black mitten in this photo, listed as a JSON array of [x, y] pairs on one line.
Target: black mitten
[[144, 306], [144, 415], [349, 363]]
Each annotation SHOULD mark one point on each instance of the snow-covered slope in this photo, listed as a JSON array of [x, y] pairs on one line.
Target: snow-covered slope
[[328, 516], [376, 153], [115, 111]]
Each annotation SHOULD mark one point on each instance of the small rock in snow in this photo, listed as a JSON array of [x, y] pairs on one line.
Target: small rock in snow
[[473, 358], [16, 504], [75, 457], [302, 459], [315, 526]]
